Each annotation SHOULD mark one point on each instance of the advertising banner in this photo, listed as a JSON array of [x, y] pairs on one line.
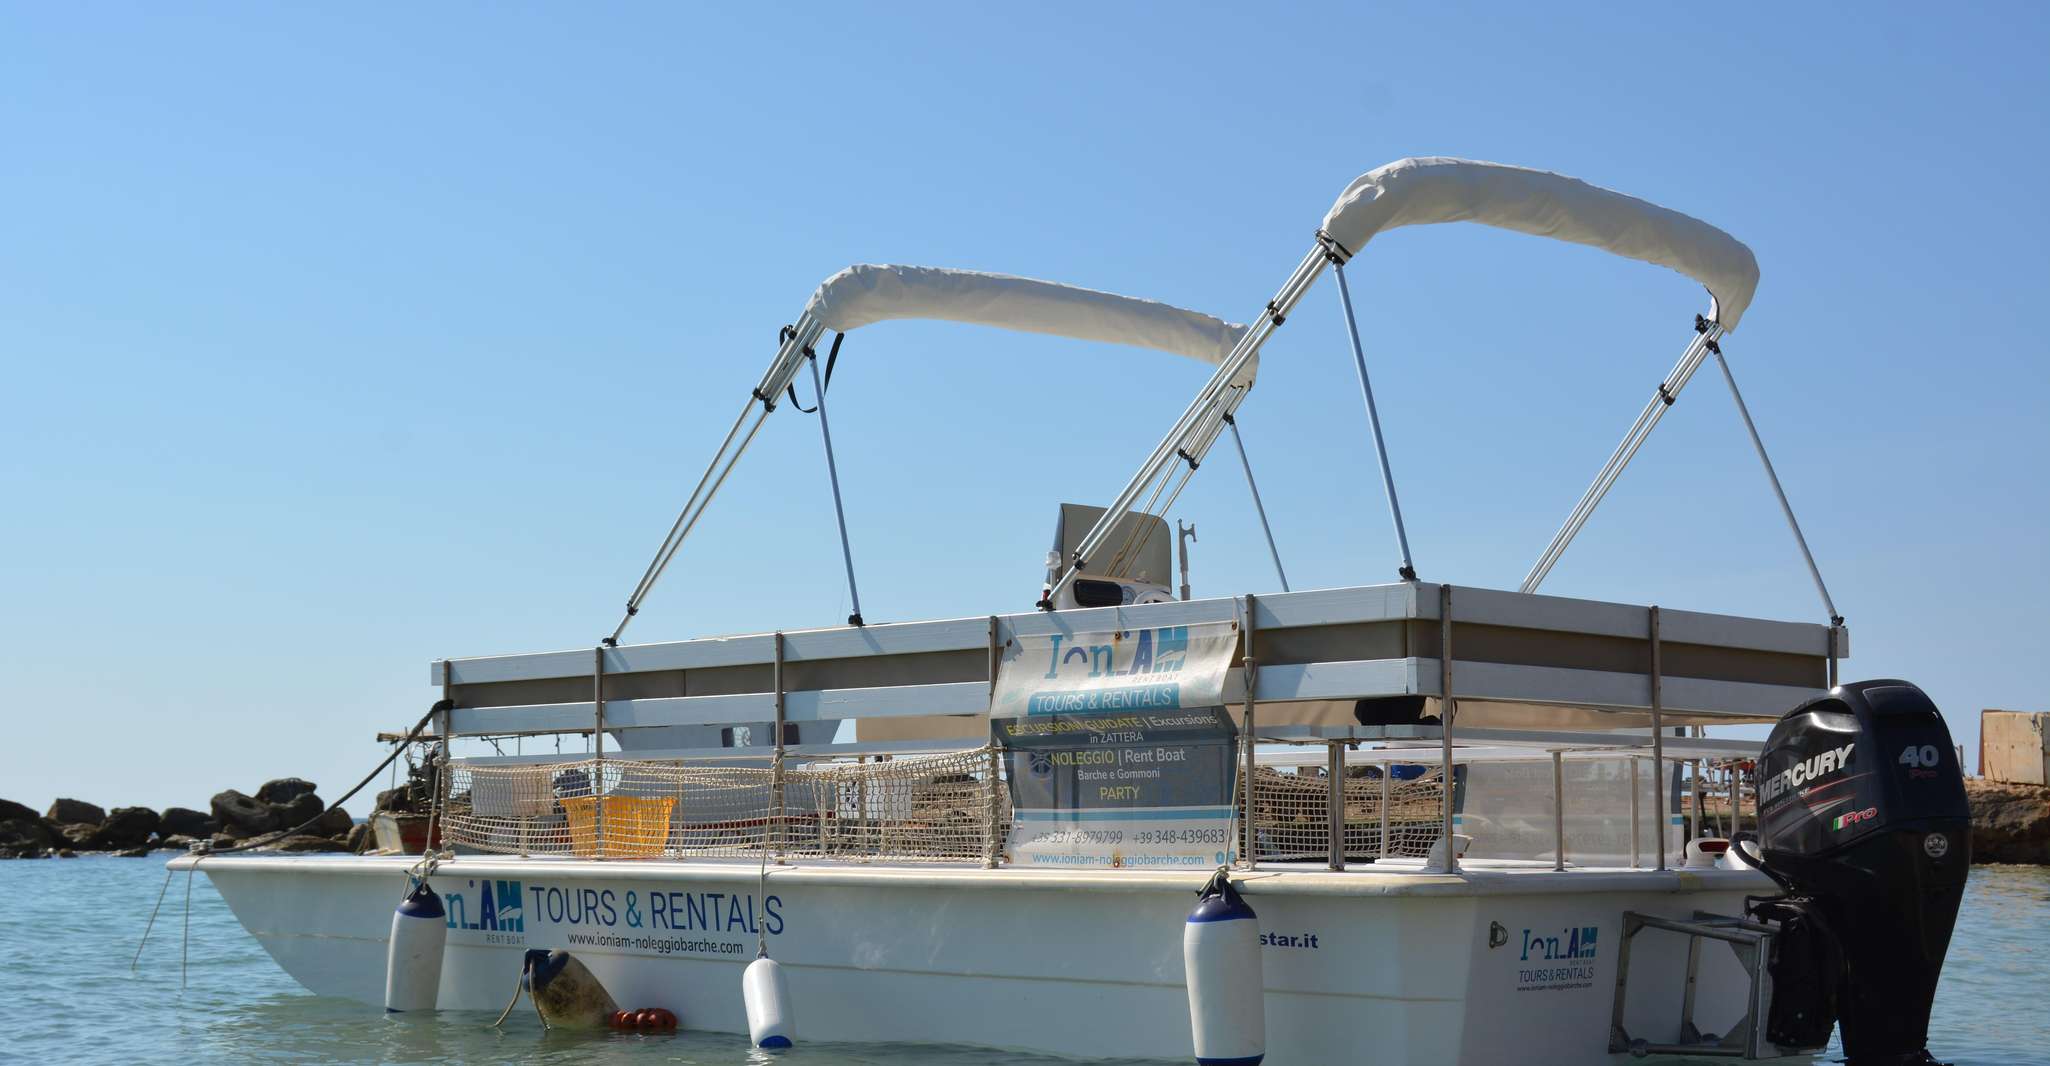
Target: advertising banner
[[1161, 669], [1119, 751]]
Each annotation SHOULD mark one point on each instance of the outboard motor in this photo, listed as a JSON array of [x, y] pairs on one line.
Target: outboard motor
[[1862, 819]]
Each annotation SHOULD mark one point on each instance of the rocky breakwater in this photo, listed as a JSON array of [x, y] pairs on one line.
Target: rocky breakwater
[[231, 819], [2010, 823]]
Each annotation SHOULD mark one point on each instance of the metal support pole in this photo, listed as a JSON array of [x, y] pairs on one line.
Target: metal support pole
[[1700, 806], [1386, 796], [439, 802], [1758, 445], [1834, 645], [1334, 802], [1706, 331], [1636, 829], [833, 474], [790, 354], [776, 841], [1359, 358], [1447, 707], [1558, 811], [598, 744], [1737, 801], [1249, 671], [993, 840], [1658, 739], [1258, 507], [1183, 535], [1218, 393]]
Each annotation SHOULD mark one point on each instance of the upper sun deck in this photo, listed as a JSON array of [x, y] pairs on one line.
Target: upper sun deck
[[1347, 663]]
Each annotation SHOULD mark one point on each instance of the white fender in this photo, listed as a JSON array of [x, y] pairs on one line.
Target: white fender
[[1227, 987], [412, 962], [770, 1022]]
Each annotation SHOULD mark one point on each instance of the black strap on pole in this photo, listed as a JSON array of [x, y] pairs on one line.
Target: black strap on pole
[[832, 360]]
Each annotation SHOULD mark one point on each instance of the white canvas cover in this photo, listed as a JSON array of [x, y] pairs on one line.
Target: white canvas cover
[[869, 293], [1431, 189]]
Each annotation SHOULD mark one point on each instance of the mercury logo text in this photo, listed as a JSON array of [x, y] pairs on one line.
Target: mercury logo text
[[1813, 768]]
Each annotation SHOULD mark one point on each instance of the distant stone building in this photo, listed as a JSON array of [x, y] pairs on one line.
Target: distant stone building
[[2014, 746]]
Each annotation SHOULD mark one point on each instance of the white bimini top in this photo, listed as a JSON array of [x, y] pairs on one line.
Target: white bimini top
[[865, 294], [1433, 189]]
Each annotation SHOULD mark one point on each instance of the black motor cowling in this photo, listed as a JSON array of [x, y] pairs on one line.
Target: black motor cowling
[[1862, 819]]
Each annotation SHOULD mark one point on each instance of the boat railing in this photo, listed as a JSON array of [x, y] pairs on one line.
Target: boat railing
[[1329, 803], [939, 807]]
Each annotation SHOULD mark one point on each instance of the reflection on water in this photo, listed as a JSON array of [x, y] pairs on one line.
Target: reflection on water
[[71, 925]]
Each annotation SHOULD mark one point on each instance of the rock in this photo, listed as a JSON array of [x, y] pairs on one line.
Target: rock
[[239, 833], [133, 853], [298, 810], [184, 821], [395, 799], [305, 843], [334, 823], [360, 838], [285, 790], [128, 827], [223, 840], [177, 840], [74, 812], [2010, 823], [29, 832], [66, 853], [11, 811], [234, 810], [83, 837]]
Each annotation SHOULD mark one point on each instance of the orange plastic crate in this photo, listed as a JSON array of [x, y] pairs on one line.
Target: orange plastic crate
[[635, 826]]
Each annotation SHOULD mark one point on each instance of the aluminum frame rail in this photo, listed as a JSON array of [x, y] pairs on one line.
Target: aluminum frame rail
[[1259, 508], [1836, 617], [1198, 427], [1708, 332], [791, 354], [1407, 571]]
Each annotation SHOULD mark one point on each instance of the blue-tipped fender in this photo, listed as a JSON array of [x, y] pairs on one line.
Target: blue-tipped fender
[[412, 961], [766, 995], [1227, 987]]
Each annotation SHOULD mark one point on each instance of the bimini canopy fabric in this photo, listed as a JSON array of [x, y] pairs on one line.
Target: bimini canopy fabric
[[1416, 192], [865, 294]]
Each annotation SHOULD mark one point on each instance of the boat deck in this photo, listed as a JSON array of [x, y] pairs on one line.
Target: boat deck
[[1393, 878]]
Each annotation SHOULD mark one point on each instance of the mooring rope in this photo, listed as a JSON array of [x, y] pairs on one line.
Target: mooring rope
[[201, 851], [519, 983], [185, 945], [132, 963], [276, 835], [762, 893]]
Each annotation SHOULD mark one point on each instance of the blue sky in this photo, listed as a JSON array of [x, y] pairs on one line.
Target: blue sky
[[337, 340]]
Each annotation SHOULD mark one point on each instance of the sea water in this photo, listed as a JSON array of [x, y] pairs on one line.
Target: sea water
[[70, 928]]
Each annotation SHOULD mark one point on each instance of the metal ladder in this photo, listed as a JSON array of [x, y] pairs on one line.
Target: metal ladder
[[1752, 943]]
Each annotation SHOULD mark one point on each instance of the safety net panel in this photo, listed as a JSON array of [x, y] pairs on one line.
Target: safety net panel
[[924, 808], [1392, 810]]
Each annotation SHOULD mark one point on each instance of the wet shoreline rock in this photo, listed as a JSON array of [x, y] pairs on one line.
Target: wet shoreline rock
[[75, 812], [237, 810], [128, 827], [286, 814], [184, 821], [2010, 823]]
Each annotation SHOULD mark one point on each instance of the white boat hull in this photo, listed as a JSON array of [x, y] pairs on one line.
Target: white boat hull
[[1400, 967]]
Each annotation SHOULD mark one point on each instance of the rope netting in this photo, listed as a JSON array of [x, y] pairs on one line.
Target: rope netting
[[1292, 819], [925, 808]]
